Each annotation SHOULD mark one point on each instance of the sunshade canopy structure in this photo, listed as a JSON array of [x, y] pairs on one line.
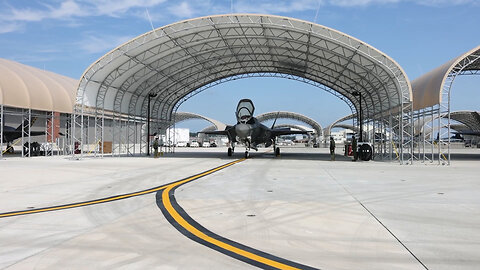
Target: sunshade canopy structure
[[150, 76], [177, 60], [432, 103], [183, 116], [428, 88], [328, 129], [347, 126], [460, 127], [293, 116], [471, 119], [295, 127], [27, 87]]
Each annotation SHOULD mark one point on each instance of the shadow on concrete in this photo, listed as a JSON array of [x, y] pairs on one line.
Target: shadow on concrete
[[261, 154], [465, 156]]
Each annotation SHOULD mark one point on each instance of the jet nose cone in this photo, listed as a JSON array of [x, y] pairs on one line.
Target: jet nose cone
[[242, 130]]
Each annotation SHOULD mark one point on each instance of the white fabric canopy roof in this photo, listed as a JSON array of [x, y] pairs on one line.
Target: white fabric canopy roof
[[177, 60]]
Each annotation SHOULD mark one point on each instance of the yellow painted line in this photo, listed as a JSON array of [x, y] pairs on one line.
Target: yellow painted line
[[113, 198], [67, 206], [180, 220]]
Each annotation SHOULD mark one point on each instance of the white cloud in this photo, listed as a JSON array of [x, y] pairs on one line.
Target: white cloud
[[287, 6], [433, 3], [117, 7], [14, 18], [275, 7], [351, 3], [9, 27], [71, 9], [182, 10], [66, 10], [26, 15], [436, 3], [93, 44]]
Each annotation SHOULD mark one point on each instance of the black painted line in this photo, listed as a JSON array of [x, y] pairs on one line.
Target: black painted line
[[199, 227], [101, 200]]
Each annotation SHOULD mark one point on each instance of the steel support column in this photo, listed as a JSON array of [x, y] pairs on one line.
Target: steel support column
[[98, 130], [1, 131], [26, 128], [49, 132]]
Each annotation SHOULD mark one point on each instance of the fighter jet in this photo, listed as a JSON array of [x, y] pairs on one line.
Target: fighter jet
[[468, 132], [250, 132], [10, 134]]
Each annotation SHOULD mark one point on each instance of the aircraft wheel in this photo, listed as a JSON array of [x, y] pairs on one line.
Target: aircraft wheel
[[229, 152], [277, 151], [246, 154]]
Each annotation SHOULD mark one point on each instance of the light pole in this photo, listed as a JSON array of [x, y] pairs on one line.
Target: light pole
[[150, 96], [359, 95]]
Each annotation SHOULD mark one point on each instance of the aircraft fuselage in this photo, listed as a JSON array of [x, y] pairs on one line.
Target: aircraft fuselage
[[253, 134]]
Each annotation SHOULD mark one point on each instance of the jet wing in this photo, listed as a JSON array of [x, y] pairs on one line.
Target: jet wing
[[229, 132], [286, 131], [216, 132], [37, 133], [226, 132], [469, 132]]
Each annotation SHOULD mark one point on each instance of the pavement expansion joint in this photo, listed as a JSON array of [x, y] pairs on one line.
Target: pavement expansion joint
[[377, 219]]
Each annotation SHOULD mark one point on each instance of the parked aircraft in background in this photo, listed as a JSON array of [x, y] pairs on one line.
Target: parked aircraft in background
[[467, 132], [250, 132], [10, 134]]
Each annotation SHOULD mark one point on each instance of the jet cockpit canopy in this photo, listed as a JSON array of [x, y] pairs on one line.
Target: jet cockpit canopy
[[245, 110]]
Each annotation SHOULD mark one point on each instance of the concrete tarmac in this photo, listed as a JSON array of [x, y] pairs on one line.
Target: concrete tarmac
[[300, 207]]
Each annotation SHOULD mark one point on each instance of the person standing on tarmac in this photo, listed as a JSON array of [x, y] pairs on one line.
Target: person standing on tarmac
[[155, 148], [354, 148], [332, 149]]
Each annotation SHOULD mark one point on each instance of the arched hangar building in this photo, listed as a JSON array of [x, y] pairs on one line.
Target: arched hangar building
[[32, 96], [144, 81], [152, 75]]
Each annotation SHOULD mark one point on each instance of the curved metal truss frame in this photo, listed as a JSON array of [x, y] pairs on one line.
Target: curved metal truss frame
[[183, 116], [294, 116], [173, 63], [433, 144], [292, 126], [347, 100]]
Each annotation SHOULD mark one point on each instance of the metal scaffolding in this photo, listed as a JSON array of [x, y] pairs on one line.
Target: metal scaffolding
[[32, 132], [1, 131], [175, 62], [433, 115]]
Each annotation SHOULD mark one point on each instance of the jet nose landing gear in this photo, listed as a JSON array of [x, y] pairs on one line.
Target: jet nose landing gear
[[247, 155], [230, 152]]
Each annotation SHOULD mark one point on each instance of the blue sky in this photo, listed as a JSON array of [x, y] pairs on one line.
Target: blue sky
[[67, 36]]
